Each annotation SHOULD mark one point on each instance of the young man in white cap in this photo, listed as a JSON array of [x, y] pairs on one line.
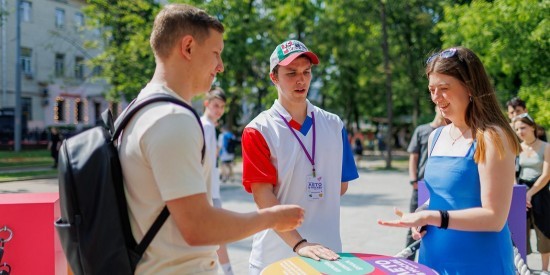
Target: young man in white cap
[[297, 153]]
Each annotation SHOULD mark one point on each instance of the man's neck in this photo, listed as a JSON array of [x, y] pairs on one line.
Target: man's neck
[[298, 111], [210, 117], [174, 79]]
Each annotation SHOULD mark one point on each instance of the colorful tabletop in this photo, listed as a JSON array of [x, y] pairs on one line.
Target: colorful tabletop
[[349, 264]]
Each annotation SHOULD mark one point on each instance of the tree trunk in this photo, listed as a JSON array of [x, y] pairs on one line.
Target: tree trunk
[[387, 71]]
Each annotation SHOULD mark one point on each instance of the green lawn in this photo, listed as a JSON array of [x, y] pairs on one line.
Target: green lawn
[[25, 158], [27, 175]]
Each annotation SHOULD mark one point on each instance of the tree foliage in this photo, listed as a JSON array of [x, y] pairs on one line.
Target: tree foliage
[[512, 38], [127, 61]]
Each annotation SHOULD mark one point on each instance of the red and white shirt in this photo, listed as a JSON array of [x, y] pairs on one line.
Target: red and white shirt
[[273, 155]]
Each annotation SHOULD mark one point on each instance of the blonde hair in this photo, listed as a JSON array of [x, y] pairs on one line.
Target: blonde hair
[[177, 20], [483, 114]]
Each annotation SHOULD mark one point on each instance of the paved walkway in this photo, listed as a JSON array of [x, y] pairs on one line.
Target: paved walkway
[[369, 198]]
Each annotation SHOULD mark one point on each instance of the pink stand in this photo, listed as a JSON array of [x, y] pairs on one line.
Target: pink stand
[[34, 247]]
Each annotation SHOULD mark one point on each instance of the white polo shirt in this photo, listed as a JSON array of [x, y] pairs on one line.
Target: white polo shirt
[[273, 155]]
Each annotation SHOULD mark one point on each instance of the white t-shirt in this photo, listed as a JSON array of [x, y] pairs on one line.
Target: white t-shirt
[[160, 153], [211, 151]]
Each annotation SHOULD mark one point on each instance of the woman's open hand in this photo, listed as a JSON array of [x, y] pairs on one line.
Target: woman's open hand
[[413, 220]]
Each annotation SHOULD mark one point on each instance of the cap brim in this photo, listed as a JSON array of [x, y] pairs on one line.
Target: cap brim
[[290, 58]]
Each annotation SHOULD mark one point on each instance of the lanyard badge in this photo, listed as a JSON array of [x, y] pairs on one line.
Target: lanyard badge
[[314, 185]]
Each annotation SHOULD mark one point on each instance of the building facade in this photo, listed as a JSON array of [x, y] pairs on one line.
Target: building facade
[[58, 86]]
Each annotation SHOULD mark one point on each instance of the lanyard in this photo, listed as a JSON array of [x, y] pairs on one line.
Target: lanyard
[[311, 157]]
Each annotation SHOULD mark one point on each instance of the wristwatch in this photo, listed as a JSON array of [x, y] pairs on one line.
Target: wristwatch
[[413, 181]]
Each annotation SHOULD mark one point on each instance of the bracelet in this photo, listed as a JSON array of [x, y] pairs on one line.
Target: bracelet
[[444, 219], [298, 243], [413, 181]]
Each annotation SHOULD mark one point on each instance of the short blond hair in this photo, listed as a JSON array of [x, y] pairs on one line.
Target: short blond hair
[[177, 20]]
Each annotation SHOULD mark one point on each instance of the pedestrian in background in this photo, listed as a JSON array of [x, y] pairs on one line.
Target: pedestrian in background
[[534, 172], [469, 173], [54, 144], [227, 143], [418, 155], [516, 107], [214, 107], [358, 142]]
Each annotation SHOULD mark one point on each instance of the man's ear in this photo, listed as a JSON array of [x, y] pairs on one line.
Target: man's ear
[[186, 45], [273, 78], [205, 103]]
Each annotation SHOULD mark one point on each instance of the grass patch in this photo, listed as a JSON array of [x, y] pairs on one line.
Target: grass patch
[[25, 158], [27, 174]]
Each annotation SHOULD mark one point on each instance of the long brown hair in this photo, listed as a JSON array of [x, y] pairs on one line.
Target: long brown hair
[[483, 114]]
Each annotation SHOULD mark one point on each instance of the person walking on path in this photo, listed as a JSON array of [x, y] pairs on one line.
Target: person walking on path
[[418, 150], [534, 164], [297, 153], [226, 143], [214, 107], [469, 173], [358, 142], [54, 145], [160, 154]]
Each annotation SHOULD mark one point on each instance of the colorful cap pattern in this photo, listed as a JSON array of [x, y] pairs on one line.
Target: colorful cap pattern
[[289, 50]]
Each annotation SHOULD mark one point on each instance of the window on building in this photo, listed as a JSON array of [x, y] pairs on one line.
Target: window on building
[[59, 18], [97, 70], [78, 19], [79, 67], [97, 112], [59, 109], [26, 107], [26, 9], [26, 61], [59, 64], [79, 110]]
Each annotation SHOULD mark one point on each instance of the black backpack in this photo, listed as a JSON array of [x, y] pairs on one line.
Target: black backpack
[[94, 227]]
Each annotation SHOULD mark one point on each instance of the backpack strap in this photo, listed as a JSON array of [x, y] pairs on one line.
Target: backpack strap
[[139, 104], [119, 126], [153, 230]]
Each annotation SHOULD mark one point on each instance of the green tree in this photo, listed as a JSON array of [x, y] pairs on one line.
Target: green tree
[[127, 61], [512, 38], [414, 39]]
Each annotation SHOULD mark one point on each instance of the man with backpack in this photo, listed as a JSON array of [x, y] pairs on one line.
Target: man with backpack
[[160, 154]]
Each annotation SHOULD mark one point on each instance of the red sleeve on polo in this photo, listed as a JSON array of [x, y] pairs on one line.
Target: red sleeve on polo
[[257, 167]]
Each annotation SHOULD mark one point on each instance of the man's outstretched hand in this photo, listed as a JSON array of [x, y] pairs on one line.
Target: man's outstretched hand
[[286, 217]]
